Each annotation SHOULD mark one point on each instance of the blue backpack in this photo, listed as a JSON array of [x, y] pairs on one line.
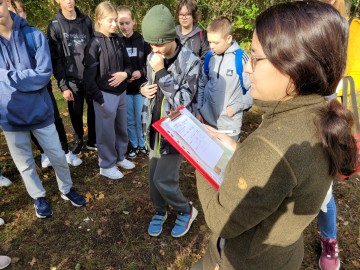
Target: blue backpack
[[238, 63]]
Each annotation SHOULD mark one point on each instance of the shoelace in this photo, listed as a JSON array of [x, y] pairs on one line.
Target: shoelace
[[329, 248]]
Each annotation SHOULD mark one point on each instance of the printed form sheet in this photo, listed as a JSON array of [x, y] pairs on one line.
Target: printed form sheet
[[209, 151]]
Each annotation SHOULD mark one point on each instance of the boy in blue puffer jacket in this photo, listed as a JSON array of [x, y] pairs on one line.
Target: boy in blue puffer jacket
[[25, 106]]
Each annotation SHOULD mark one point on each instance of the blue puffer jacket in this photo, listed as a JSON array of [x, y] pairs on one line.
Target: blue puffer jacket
[[25, 103]]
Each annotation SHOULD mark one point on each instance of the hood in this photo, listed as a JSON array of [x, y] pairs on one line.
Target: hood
[[18, 22], [133, 37], [196, 29], [108, 45], [233, 47], [80, 17]]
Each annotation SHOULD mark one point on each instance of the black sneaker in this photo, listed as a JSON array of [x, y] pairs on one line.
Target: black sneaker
[[42, 208], [75, 198], [77, 147], [133, 153], [91, 146]]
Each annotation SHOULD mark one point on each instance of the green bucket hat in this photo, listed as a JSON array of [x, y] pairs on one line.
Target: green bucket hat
[[158, 25]]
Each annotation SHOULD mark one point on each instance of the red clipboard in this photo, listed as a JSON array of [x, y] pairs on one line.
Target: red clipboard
[[179, 147]]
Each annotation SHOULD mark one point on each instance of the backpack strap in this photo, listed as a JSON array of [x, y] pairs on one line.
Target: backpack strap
[[206, 63], [239, 68], [29, 40]]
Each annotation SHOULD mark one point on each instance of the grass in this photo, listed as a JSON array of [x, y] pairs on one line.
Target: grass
[[110, 232]]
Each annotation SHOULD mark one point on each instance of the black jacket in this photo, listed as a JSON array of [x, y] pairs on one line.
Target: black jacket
[[138, 51], [67, 41], [103, 57]]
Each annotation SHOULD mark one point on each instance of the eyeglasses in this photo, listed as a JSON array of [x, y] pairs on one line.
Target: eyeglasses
[[187, 15], [254, 60]]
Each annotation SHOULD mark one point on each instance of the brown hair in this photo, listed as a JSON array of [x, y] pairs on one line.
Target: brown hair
[[222, 25], [19, 3], [191, 6], [305, 40], [102, 10], [15, 4]]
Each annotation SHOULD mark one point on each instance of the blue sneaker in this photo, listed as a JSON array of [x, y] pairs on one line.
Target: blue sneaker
[[42, 208], [183, 222], [156, 223], [75, 198]]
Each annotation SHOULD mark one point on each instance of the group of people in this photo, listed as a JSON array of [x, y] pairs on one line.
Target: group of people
[[278, 177]]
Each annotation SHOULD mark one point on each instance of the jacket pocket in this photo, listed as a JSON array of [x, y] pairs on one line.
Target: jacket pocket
[[28, 108]]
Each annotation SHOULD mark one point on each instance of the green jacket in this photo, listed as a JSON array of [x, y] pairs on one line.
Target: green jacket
[[273, 188]]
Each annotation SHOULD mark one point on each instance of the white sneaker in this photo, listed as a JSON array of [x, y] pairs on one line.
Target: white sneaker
[[126, 164], [4, 182], [112, 173], [2, 222], [72, 159], [45, 162]]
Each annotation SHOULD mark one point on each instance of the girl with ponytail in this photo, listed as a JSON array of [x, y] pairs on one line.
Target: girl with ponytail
[[278, 177]]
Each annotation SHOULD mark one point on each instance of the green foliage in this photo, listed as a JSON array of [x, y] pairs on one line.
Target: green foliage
[[241, 13]]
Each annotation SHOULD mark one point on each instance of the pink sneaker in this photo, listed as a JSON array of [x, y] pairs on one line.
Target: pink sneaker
[[329, 259]]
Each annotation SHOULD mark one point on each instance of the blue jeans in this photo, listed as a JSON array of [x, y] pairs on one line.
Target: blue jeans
[[327, 221], [134, 104], [19, 144]]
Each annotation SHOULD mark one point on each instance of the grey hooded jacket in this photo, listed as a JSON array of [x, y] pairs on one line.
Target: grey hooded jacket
[[179, 89], [221, 89]]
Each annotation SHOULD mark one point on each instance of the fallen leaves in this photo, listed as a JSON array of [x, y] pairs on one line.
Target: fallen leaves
[[88, 197], [97, 196], [33, 261]]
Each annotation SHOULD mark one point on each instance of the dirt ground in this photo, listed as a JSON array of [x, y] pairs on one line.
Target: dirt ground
[[110, 232]]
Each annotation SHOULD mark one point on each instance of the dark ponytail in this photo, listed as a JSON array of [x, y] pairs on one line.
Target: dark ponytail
[[334, 123], [307, 41]]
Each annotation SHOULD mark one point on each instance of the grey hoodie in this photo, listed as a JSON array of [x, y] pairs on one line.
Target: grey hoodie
[[222, 89], [196, 41]]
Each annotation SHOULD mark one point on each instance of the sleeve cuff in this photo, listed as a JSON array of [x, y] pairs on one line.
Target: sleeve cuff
[[64, 87], [161, 73]]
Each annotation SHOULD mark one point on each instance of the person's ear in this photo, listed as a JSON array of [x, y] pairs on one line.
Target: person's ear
[[228, 39]]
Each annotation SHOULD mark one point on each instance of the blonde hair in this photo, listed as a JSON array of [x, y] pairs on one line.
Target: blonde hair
[[102, 10], [125, 9]]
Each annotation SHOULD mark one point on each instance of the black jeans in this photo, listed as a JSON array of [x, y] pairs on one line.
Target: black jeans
[[58, 124], [76, 109]]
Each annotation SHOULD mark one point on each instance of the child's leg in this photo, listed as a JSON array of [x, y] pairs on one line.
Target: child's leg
[[49, 141], [76, 109], [164, 182], [91, 123], [21, 152], [58, 122], [131, 121], [327, 221], [138, 103], [121, 141], [105, 130]]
